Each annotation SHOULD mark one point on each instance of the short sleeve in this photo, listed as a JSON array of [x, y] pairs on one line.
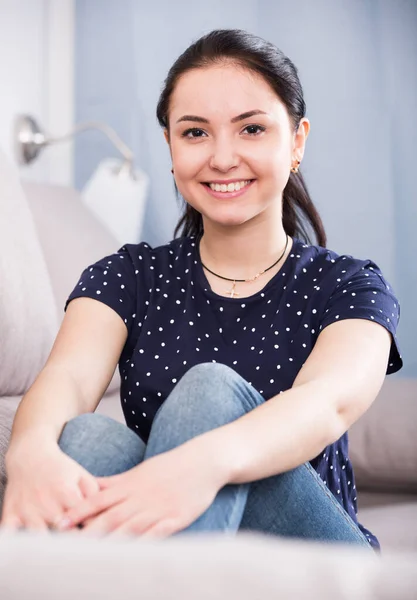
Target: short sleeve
[[363, 293], [111, 280]]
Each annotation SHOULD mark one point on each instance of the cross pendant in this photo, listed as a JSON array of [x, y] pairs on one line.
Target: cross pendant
[[232, 291]]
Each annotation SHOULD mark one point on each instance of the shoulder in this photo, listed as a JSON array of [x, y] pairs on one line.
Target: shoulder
[[325, 258], [345, 287], [178, 247], [152, 263], [331, 270]]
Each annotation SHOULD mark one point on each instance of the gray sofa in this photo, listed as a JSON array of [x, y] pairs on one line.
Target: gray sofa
[[49, 226]]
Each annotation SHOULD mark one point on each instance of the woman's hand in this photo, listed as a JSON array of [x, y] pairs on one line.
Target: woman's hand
[[160, 496], [43, 483]]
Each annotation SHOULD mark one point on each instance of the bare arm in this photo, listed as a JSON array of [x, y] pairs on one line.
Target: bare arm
[[337, 384], [78, 371]]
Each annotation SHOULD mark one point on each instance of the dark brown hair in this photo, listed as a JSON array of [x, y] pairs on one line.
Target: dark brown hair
[[263, 58]]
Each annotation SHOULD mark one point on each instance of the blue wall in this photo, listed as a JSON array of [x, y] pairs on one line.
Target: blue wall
[[357, 62]]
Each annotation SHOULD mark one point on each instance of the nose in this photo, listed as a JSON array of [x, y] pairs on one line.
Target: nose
[[224, 156]]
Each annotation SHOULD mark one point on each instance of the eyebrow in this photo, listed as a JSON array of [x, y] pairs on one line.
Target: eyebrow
[[241, 117]]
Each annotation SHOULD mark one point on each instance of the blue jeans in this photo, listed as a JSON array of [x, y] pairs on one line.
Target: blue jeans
[[295, 504]]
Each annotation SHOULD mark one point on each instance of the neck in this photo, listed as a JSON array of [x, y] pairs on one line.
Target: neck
[[242, 252]]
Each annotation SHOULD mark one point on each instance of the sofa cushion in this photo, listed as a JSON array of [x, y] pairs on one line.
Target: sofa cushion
[[394, 524], [28, 317], [70, 235], [71, 238], [198, 567], [383, 442], [111, 406], [7, 411]]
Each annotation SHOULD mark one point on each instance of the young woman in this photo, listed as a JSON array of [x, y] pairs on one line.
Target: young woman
[[245, 351]]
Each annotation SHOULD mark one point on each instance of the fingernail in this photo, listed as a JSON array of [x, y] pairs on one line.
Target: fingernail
[[64, 523]]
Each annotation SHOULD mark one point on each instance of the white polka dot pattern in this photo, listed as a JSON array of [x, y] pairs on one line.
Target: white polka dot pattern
[[175, 321]]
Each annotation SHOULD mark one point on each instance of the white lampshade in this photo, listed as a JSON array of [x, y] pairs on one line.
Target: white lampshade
[[117, 197]]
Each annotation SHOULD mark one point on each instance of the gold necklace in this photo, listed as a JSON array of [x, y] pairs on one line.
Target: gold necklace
[[232, 292]]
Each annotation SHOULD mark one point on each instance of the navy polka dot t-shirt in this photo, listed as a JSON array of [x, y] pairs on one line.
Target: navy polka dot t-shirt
[[175, 321]]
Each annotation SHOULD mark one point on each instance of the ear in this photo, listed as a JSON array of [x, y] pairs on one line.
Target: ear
[[166, 135], [300, 137]]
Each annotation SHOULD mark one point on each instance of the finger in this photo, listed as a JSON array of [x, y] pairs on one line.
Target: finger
[[129, 528], [56, 513], [160, 530], [106, 482], [60, 517], [137, 525], [89, 507], [34, 522], [72, 498], [109, 520], [69, 497], [88, 486], [10, 522]]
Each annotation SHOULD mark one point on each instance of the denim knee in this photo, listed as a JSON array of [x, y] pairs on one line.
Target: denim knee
[[212, 375], [231, 385], [99, 442], [83, 423], [214, 389]]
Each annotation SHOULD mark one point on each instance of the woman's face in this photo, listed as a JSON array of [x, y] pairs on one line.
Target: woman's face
[[215, 136]]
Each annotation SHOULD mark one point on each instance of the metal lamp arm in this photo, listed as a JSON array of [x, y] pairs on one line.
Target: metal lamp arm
[[106, 129], [29, 139]]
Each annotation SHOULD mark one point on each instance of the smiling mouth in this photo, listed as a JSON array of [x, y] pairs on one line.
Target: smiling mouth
[[230, 187]]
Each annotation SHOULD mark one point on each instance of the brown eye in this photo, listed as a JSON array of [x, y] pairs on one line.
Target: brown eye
[[193, 130], [254, 130]]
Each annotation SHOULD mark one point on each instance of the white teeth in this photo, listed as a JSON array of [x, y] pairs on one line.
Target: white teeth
[[230, 187]]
